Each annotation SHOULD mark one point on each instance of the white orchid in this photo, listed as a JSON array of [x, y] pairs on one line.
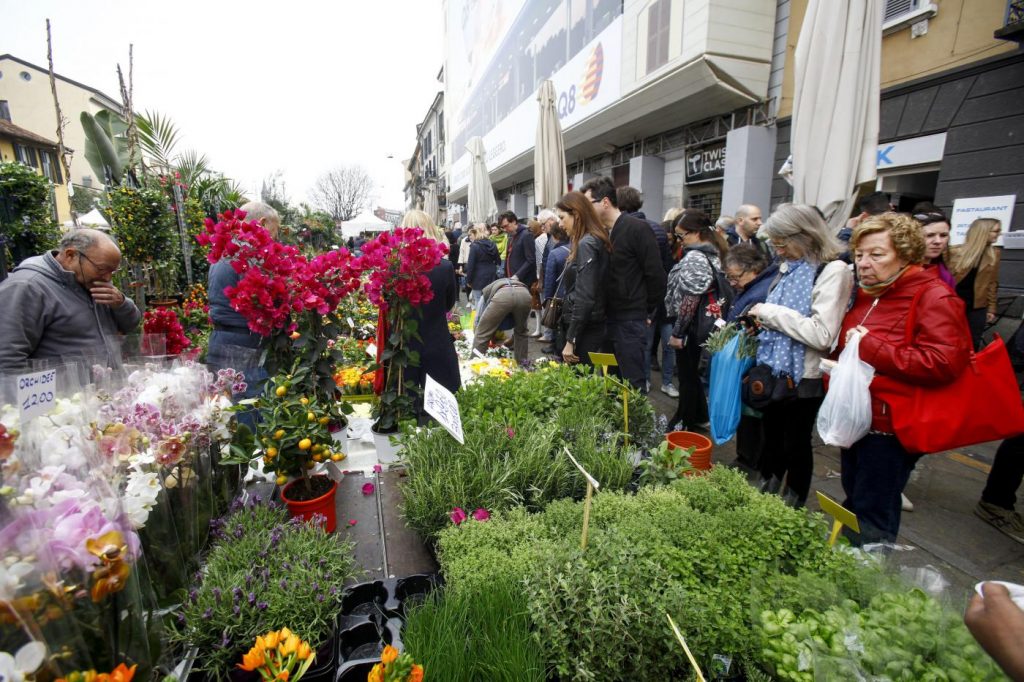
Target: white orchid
[[140, 496], [10, 578], [22, 664]]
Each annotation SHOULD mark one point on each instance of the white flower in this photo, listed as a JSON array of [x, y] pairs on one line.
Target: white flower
[[10, 578], [140, 495], [22, 664]]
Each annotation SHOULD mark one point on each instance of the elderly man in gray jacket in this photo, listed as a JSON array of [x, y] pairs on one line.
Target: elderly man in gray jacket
[[62, 305]]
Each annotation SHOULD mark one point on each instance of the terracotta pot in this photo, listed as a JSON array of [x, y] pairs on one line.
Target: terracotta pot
[[323, 505], [701, 457]]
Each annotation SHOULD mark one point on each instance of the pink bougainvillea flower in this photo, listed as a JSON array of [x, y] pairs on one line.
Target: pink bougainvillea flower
[[510, 432], [481, 514], [352, 522], [457, 515], [367, 488], [376, 468]]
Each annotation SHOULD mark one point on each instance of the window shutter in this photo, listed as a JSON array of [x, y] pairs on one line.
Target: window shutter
[[897, 8]]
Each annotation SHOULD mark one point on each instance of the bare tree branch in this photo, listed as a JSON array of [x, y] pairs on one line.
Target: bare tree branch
[[62, 152], [342, 192]]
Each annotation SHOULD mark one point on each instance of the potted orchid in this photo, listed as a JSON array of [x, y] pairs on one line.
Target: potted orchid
[[396, 265]]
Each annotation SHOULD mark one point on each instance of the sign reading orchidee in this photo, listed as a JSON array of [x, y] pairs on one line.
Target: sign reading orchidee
[[36, 394]]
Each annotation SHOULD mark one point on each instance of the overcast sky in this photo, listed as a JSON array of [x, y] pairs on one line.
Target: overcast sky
[[300, 86]]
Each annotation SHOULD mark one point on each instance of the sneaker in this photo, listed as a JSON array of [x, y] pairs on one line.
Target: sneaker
[[647, 387], [547, 338], [1007, 521], [670, 390], [907, 505]]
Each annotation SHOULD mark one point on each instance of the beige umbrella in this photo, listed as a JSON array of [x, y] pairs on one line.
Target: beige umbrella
[[430, 203], [835, 105], [482, 206], [549, 152]]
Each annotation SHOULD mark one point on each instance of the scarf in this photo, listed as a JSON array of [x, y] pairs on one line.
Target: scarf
[[777, 350], [876, 290]]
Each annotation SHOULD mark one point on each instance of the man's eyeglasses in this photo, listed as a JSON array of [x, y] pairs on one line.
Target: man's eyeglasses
[[100, 269]]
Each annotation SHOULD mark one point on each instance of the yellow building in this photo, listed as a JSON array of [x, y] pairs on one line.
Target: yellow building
[[24, 146], [25, 88]]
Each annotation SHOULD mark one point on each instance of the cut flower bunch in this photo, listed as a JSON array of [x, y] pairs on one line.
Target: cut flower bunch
[[279, 655], [395, 667]]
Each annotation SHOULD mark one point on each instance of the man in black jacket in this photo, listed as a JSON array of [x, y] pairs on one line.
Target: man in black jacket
[[636, 281], [520, 254]]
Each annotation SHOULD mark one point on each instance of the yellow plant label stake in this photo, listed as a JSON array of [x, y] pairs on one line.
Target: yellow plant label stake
[[679, 636], [841, 516], [604, 361]]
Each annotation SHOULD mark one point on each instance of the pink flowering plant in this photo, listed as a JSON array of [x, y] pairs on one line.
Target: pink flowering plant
[[395, 266], [286, 297]]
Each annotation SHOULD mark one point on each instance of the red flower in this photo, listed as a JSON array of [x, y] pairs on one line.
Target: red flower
[[165, 321]]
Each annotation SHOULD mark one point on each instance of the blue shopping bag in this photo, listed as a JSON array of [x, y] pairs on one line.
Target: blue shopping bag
[[724, 403]]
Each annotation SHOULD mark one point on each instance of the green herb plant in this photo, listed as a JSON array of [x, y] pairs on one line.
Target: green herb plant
[[666, 464]]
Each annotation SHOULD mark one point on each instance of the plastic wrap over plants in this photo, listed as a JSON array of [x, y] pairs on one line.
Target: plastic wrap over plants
[[724, 404], [845, 415]]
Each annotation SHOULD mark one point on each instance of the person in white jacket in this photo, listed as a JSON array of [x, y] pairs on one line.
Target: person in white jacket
[[800, 323]]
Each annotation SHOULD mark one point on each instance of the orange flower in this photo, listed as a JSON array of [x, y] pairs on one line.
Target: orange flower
[[304, 651], [389, 655], [122, 673], [109, 579], [254, 659], [109, 547], [270, 640], [289, 646], [416, 674], [283, 676], [377, 674]]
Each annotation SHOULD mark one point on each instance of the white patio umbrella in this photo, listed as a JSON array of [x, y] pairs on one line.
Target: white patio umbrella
[[430, 203], [835, 105], [549, 152], [482, 206]]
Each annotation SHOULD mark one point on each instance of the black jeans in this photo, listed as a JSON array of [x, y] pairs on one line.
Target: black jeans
[[875, 471], [627, 340], [1006, 475], [693, 404], [787, 443], [976, 321]]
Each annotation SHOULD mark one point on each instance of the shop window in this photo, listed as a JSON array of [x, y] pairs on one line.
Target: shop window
[[709, 201], [658, 18]]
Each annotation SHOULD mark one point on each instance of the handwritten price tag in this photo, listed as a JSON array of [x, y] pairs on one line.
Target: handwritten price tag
[[440, 404], [36, 393]]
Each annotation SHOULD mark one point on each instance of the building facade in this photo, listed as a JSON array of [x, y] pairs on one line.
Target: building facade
[[951, 124], [26, 89], [648, 93], [23, 146]]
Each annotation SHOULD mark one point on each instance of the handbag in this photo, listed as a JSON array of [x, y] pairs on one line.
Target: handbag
[[552, 313], [761, 388], [982, 404]]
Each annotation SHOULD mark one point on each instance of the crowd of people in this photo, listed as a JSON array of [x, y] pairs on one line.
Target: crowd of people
[[652, 292]]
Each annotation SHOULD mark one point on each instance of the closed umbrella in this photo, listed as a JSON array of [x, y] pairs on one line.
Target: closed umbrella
[[482, 206], [430, 203], [835, 105], [549, 152]]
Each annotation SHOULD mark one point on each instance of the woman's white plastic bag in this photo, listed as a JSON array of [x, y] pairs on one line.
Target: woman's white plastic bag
[[845, 415]]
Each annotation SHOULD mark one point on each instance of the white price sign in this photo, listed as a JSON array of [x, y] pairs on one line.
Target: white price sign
[[36, 393], [440, 404]]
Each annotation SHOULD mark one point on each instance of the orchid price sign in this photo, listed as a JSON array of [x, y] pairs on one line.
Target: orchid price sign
[[36, 393], [440, 404]]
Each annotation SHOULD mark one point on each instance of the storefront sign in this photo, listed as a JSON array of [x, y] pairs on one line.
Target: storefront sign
[[966, 211], [913, 152], [705, 164]]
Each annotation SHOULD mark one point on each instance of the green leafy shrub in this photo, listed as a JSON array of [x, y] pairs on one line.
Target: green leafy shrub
[[264, 573], [469, 636], [27, 227]]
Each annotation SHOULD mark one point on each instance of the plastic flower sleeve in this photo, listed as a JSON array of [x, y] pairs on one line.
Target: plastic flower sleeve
[[70, 553]]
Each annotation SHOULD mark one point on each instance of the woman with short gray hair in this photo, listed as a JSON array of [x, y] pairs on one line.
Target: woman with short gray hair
[[800, 321]]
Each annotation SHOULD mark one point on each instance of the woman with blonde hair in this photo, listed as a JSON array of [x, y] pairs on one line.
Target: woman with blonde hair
[[975, 267], [584, 278], [435, 345], [417, 218], [800, 321]]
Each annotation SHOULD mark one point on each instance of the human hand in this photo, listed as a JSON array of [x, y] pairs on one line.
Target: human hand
[[569, 354], [990, 318], [106, 294], [675, 342], [856, 220], [859, 329], [998, 625], [755, 310]]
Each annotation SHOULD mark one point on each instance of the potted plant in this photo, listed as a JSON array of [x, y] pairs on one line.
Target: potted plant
[[264, 573], [293, 436], [396, 264]]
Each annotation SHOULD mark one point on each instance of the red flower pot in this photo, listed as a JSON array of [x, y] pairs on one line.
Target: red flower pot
[[701, 457], [305, 509]]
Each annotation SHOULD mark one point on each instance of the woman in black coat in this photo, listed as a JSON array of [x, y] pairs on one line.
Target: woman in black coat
[[435, 345]]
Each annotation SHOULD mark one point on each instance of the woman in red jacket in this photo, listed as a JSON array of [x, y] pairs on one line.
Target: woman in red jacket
[[895, 290]]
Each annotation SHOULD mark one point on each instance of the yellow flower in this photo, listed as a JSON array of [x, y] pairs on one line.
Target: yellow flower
[[377, 674], [270, 640], [254, 659], [289, 646], [304, 651]]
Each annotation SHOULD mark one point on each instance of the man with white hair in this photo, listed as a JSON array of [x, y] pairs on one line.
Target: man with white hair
[[63, 306], [232, 344]]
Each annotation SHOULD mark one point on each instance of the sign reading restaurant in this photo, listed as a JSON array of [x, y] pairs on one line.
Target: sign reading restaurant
[[705, 164]]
